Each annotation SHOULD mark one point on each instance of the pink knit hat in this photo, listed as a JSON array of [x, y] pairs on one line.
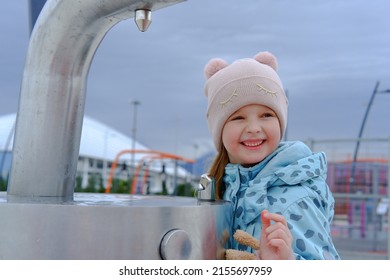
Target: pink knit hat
[[244, 82]]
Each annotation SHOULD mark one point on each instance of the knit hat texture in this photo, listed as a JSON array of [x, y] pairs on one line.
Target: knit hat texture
[[246, 81]]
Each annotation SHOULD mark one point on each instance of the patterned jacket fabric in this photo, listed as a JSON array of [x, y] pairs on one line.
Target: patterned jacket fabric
[[292, 182]]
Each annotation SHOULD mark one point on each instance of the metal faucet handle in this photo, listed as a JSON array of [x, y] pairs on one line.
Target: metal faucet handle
[[206, 190]]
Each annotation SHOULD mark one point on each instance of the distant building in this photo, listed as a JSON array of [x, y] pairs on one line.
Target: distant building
[[99, 147]]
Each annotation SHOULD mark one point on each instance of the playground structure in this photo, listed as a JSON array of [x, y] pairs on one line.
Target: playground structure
[[154, 156]]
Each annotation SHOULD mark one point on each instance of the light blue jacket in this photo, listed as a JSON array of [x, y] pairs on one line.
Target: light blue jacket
[[291, 182]]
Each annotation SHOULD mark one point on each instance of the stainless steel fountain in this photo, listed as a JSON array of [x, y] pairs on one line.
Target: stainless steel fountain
[[41, 216]]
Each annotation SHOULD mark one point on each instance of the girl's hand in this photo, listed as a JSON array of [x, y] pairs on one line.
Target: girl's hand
[[275, 239]]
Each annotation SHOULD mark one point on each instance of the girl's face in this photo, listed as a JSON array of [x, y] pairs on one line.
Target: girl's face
[[250, 134]]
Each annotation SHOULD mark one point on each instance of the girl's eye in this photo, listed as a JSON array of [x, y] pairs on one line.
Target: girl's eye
[[236, 118], [267, 115]]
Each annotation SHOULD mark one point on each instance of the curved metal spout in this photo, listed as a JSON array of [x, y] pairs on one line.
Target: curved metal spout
[[51, 106]]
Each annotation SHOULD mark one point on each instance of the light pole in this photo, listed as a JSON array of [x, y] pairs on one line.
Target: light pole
[[135, 103], [353, 167]]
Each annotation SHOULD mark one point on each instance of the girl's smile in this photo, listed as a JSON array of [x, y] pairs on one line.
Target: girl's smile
[[252, 143]]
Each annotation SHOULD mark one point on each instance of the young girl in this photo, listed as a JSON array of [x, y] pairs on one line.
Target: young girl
[[277, 189]]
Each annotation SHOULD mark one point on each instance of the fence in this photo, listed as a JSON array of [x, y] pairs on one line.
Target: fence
[[360, 187]]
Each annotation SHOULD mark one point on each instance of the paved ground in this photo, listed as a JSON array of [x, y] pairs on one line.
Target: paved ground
[[354, 243], [360, 249]]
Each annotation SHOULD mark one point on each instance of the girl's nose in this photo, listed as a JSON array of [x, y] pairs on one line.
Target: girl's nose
[[253, 126]]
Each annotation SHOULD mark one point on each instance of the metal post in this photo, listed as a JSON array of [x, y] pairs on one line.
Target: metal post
[[51, 105], [352, 177], [353, 167], [375, 191], [134, 133]]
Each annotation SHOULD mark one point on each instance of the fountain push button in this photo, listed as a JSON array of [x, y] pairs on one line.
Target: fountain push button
[[175, 245]]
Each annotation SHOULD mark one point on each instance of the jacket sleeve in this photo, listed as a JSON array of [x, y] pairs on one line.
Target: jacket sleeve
[[309, 221]]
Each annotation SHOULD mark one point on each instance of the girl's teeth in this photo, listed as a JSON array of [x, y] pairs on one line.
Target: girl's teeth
[[252, 144]]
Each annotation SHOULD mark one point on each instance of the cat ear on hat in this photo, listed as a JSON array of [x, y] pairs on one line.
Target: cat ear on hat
[[268, 59], [213, 66]]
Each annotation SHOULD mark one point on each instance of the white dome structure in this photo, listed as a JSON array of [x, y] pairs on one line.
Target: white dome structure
[[7, 123], [100, 145]]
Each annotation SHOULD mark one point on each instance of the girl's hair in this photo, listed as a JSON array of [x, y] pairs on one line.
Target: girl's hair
[[217, 171]]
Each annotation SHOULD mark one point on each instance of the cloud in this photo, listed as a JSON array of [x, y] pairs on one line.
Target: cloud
[[330, 53]]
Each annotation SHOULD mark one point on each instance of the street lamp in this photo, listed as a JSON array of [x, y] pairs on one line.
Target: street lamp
[[353, 167], [135, 103]]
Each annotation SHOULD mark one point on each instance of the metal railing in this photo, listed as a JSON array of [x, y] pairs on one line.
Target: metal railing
[[361, 225], [360, 229]]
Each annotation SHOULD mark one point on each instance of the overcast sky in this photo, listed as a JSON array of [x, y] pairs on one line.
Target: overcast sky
[[330, 53]]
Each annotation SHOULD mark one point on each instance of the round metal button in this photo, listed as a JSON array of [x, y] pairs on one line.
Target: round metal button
[[175, 245]]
